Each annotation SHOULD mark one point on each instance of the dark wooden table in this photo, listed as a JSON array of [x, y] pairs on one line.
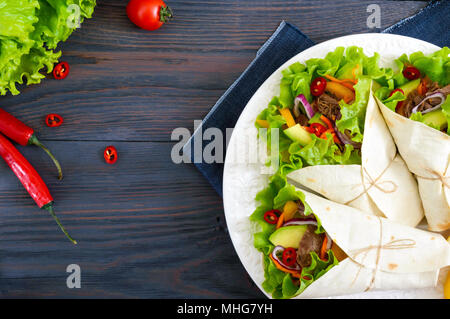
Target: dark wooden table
[[145, 226]]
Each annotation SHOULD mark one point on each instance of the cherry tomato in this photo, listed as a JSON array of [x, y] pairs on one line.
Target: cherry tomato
[[400, 103], [148, 14], [317, 129], [272, 216], [411, 73], [110, 155], [54, 120], [61, 70], [289, 256], [318, 86]]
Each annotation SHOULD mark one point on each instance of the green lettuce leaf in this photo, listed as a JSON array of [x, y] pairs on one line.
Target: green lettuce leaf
[[353, 115], [29, 32], [436, 66], [340, 63], [277, 282], [318, 152]]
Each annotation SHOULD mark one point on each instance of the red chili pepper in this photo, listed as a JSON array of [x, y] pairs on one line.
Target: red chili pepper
[[400, 103], [61, 70], [397, 90], [318, 86], [29, 178], [317, 129], [272, 216], [24, 135], [289, 256], [411, 73], [110, 155], [54, 120]]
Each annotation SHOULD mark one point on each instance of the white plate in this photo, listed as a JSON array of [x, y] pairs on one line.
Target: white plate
[[244, 177]]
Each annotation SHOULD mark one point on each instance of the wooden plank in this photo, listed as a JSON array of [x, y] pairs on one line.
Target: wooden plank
[[145, 227], [130, 84]]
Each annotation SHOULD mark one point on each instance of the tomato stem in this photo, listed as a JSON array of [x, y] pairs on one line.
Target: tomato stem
[[34, 141], [165, 14]]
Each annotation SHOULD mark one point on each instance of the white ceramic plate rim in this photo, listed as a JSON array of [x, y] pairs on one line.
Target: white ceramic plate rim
[[241, 182]]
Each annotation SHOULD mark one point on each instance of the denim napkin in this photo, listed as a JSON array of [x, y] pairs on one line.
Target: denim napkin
[[430, 24]]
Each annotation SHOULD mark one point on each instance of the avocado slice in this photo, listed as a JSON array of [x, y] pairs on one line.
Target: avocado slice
[[410, 86], [288, 236], [435, 119], [298, 134]]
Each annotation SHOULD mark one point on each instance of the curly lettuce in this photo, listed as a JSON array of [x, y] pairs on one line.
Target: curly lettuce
[[277, 282], [354, 115], [435, 66], [30, 30], [341, 63]]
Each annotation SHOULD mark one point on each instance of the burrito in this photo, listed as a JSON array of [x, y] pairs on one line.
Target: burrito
[[313, 247], [416, 106], [333, 139]]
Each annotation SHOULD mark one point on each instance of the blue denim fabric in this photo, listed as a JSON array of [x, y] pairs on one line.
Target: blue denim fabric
[[430, 24]]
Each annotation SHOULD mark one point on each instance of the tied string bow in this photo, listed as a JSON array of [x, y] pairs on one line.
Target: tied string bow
[[445, 180], [375, 182], [392, 245]]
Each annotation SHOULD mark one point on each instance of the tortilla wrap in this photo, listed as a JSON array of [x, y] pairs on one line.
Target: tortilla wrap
[[382, 185], [382, 254], [426, 151]]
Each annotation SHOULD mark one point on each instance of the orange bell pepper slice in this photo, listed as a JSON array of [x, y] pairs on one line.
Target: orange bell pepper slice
[[287, 115], [340, 91], [348, 83], [323, 249], [280, 221], [294, 273], [325, 119]]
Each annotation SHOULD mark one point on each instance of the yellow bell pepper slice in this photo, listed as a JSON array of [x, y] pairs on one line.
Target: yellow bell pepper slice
[[263, 123], [287, 115], [289, 210]]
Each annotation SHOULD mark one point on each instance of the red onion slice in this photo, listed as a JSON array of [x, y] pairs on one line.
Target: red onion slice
[[431, 96], [308, 108], [280, 249], [345, 139]]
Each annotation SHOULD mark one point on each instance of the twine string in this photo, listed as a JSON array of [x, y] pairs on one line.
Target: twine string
[[392, 245], [375, 182]]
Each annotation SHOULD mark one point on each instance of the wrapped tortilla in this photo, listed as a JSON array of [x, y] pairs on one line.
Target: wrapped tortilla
[[416, 106], [382, 185], [381, 254], [374, 253], [427, 154]]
